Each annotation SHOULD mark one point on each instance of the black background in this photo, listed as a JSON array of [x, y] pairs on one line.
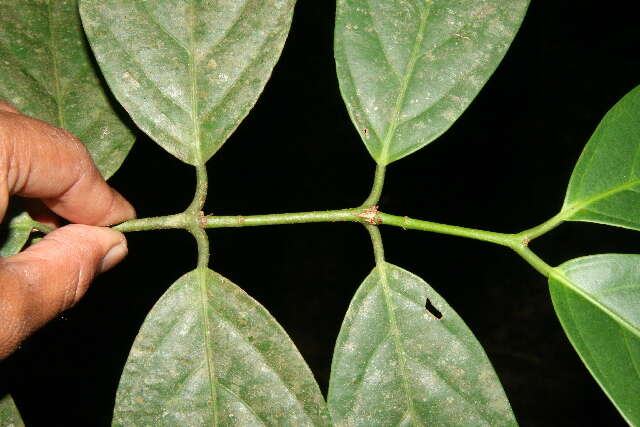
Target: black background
[[503, 166]]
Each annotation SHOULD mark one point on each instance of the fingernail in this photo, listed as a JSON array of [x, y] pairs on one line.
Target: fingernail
[[114, 256]]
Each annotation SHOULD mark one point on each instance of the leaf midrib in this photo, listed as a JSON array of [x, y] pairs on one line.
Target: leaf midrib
[[572, 208], [561, 277], [194, 85], [57, 95], [408, 74], [587, 349], [202, 287], [395, 333]]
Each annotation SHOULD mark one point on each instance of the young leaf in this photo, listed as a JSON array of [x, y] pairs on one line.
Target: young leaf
[[409, 68], [9, 414], [208, 354], [404, 357], [187, 72], [48, 73], [605, 184], [597, 300]]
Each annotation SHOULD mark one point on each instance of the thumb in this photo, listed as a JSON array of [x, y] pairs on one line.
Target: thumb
[[51, 276]]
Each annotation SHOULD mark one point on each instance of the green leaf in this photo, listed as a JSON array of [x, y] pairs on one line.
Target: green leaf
[[208, 354], [396, 363], [597, 299], [14, 232], [187, 72], [605, 184], [9, 414], [48, 73], [409, 68]]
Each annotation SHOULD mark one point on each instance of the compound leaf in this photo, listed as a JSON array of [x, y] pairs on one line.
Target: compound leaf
[[48, 73], [605, 184], [187, 71], [9, 414], [409, 68], [397, 363], [597, 300], [208, 354]]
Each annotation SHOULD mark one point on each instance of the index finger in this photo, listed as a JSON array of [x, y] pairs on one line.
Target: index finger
[[41, 161]]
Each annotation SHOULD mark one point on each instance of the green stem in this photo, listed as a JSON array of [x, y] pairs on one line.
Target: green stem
[[376, 190], [196, 217], [371, 218], [509, 240], [154, 223], [344, 215]]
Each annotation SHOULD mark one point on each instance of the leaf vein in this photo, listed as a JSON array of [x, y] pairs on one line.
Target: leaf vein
[[243, 402]]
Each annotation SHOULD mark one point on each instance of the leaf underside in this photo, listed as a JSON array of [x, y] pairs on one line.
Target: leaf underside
[[606, 330], [9, 415], [605, 184], [396, 363], [208, 354], [187, 72], [409, 68], [48, 73]]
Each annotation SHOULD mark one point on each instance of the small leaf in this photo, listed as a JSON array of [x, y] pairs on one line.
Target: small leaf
[[9, 414], [208, 354], [48, 73], [409, 68], [605, 184], [597, 299], [14, 232], [397, 363], [187, 72]]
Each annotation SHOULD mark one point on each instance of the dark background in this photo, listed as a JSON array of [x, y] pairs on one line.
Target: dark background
[[503, 166]]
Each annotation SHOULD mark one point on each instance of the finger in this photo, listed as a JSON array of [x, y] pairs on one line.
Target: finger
[[41, 161], [5, 106], [38, 211], [51, 276]]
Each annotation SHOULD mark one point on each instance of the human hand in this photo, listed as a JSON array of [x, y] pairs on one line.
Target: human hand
[[42, 162]]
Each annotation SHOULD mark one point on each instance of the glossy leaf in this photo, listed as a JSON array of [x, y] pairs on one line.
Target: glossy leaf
[[208, 354], [396, 363], [9, 414], [409, 68], [48, 73], [187, 71], [605, 184], [597, 300]]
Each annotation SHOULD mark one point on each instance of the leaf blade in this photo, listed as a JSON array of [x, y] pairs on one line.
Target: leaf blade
[[48, 73], [602, 321], [253, 372], [605, 182], [408, 69], [187, 74], [421, 372], [15, 232], [9, 414]]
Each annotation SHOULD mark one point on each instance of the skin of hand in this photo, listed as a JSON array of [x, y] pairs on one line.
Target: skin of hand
[[42, 162]]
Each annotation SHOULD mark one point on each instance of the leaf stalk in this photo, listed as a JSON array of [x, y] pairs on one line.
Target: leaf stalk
[[537, 231], [376, 189]]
